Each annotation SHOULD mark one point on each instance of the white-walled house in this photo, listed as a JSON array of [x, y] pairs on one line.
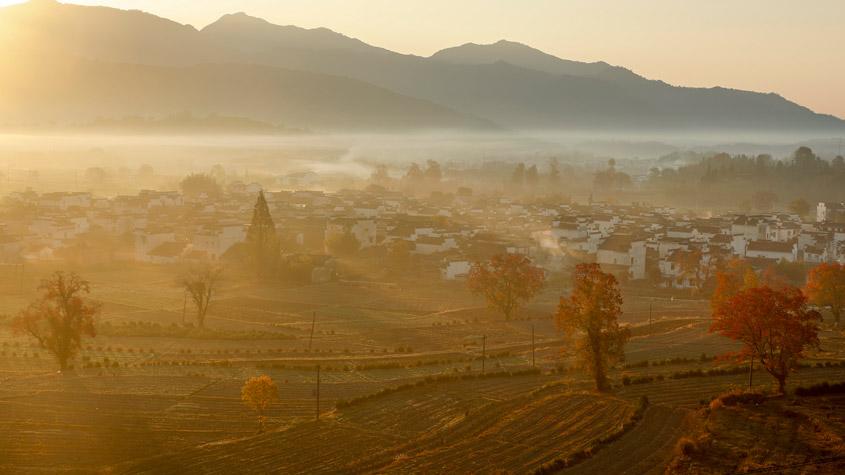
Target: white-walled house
[[787, 251], [623, 250], [454, 270], [216, 240]]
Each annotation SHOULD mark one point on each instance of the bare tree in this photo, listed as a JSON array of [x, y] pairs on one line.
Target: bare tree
[[201, 282]]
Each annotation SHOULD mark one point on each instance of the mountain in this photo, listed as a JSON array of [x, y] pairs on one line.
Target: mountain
[[527, 57], [74, 91], [506, 83]]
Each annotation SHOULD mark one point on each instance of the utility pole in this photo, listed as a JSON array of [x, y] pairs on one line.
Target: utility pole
[[318, 392], [532, 345], [650, 311], [483, 352], [750, 372], [313, 323]]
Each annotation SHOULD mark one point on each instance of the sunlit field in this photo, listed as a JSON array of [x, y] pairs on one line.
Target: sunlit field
[[446, 238]]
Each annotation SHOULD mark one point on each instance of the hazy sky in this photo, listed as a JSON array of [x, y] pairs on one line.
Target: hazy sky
[[795, 48]]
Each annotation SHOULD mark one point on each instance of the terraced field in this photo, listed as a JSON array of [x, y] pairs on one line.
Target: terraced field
[[646, 449], [517, 435], [463, 426]]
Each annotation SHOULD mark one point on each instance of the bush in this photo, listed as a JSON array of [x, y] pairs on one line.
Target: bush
[[736, 398], [820, 389], [685, 447]]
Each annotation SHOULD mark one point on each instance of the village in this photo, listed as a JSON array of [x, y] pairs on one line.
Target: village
[[443, 234]]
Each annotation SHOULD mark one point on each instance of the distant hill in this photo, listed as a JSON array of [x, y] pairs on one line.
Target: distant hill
[[78, 91], [505, 84], [527, 57]]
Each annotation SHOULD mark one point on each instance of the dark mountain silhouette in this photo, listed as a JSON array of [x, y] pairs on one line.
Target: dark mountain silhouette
[[506, 83]]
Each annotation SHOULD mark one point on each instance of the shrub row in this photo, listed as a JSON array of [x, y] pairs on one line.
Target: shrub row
[[693, 373], [154, 329], [821, 389], [704, 358], [344, 403]]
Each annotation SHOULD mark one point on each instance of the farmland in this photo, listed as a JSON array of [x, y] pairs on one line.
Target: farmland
[[797, 435], [400, 374]]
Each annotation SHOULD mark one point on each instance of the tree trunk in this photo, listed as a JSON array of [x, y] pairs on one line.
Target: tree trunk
[[781, 384], [598, 367]]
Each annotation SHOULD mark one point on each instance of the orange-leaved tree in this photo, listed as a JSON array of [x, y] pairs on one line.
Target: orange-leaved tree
[[60, 317], [591, 313], [774, 326], [826, 288], [735, 276], [259, 393], [507, 282]]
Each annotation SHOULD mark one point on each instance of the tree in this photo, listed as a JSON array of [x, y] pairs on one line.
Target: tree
[[611, 179], [218, 173], [735, 276], [197, 184], [775, 327], [532, 176], [826, 288], [691, 267], [146, 172], [433, 172], [518, 176], [507, 282], [380, 175], [200, 282], [554, 172], [592, 310], [784, 274], [60, 317], [259, 393], [96, 175], [800, 207], [342, 244], [764, 200], [414, 174], [838, 164], [261, 239]]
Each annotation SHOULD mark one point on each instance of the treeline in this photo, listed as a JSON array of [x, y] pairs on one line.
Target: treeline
[[755, 183]]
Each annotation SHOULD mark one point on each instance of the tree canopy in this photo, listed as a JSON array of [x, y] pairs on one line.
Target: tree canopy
[[507, 282], [774, 326], [826, 288], [61, 316], [590, 316], [261, 239], [259, 393]]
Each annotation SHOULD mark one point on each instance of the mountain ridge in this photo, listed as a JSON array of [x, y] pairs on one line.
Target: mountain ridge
[[509, 84]]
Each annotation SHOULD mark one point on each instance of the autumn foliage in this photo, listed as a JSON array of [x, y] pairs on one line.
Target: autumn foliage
[[507, 282], [775, 327], [591, 314], [826, 288], [731, 279], [259, 393], [60, 317]]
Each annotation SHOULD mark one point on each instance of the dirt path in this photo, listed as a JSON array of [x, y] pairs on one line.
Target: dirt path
[[647, 449]]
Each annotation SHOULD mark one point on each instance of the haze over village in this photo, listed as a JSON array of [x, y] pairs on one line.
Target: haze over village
[[231, 244]]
